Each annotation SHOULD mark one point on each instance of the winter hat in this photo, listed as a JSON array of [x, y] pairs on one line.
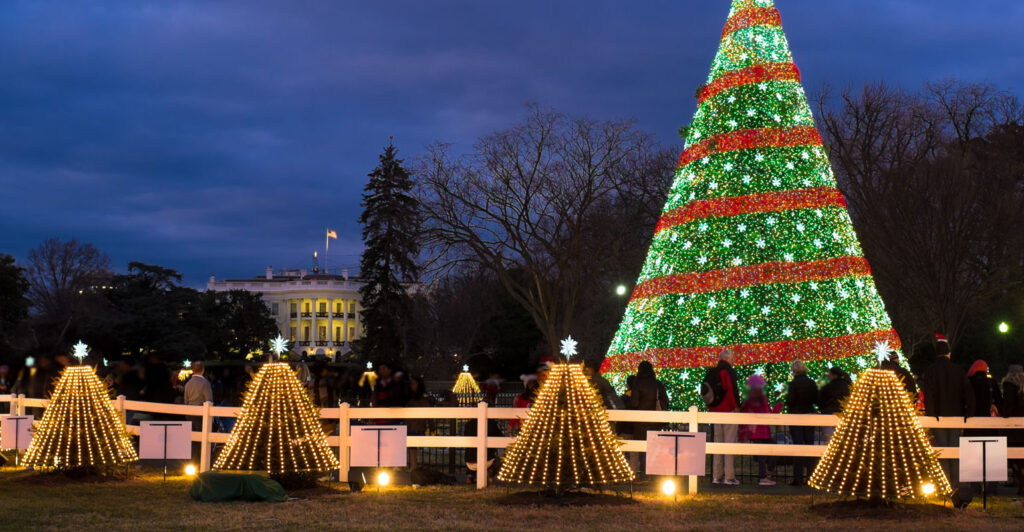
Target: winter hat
[[527, 378], [979, 365], [755, 382], [941, 344]]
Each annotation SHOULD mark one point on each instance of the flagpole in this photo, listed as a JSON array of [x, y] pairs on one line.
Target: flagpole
[[327, 250]]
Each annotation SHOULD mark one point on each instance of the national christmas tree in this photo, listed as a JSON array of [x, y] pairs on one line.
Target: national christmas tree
[[278, 429], [80, 428], [755, 249], [566, 440], [879, 449]]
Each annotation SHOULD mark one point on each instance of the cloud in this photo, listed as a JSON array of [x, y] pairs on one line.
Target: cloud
[[220, 137]]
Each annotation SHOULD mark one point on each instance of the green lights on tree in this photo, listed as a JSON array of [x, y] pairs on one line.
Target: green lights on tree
[[755, 249]]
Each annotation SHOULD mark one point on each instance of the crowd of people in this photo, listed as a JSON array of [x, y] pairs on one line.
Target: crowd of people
[[944, 389]]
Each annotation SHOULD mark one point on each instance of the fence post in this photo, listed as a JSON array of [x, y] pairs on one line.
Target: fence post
[[481, 445], [694, 426], [19, 405], [343, 442], [204, 438], [119, 406]]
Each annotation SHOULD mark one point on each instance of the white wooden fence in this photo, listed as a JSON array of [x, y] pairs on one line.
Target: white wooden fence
[[690, 418]]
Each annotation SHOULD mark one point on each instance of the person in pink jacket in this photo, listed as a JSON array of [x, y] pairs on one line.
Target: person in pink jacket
[[757, 403]]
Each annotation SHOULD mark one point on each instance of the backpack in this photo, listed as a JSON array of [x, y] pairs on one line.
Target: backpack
[[711, 390]]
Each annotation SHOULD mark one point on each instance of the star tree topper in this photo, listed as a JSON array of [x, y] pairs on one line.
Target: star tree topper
[[882, 351], [80, 351], [279, 345], [569, 347]]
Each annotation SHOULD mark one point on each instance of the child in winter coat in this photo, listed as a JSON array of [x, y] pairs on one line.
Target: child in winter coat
[[757, 403]]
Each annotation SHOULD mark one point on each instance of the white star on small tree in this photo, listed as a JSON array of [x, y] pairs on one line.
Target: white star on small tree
[[882, 351], [80, 351], [569, 348], [278, 345]]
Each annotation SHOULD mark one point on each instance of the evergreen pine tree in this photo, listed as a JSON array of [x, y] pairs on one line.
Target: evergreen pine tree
[[391, 226]]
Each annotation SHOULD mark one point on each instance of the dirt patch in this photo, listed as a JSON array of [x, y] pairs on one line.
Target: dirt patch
[[874, 509], [568, 498], [317, 492], [56, 478]]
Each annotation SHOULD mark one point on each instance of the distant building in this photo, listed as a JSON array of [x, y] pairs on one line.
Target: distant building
[[317, 312]]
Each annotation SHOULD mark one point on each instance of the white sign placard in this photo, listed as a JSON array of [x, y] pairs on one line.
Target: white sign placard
[[15, 432], [983, 451], [676, 453], [379, 446], [172, 437]]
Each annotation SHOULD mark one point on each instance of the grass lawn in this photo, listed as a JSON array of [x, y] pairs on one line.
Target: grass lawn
[[31, 501]]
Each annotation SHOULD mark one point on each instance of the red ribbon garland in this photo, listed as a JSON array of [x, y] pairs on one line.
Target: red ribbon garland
[[755, 274], [786, 200], [773, 352], [749, 75], [752, 16], [751, 138]]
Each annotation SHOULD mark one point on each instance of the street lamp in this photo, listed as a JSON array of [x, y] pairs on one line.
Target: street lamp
[[1004, 327], [621, 290]]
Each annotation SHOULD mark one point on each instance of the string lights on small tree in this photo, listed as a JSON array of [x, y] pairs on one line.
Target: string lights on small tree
[[466, 390], [278, 429], [879, 449], [80, 428], [566, 440]]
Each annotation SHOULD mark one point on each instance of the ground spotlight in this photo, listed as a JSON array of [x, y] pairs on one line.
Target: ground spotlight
[[190, 470], [383, 478], [668, 487], [928, 489]]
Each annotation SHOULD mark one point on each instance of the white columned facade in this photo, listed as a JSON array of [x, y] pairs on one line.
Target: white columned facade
[[296, 287]]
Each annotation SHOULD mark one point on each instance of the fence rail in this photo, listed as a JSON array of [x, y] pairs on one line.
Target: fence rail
[[692, 419]]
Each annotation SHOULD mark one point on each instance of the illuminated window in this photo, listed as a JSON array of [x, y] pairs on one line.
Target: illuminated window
[[323, 307]]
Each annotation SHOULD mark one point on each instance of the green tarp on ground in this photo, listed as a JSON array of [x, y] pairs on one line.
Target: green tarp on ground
[[219, 487]]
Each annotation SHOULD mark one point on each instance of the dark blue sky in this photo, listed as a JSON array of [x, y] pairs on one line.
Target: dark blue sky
[[219, 137]]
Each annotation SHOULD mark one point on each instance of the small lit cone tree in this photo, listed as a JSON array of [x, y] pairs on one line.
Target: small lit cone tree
[[879, 449], [466, 390], [80, 429], [566, 441], [755, 250], [278, 429]]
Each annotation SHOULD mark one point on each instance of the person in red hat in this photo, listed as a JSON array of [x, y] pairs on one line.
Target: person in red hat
[[948, 393]]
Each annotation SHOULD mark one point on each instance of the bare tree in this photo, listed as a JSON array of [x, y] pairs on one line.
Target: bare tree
[[59, 273], [933, 182], [532, 205]]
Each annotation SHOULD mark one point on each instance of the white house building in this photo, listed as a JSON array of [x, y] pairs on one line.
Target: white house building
[[317, 312]]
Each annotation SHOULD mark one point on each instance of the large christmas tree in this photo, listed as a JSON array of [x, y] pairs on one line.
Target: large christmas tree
[[755, 249]]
